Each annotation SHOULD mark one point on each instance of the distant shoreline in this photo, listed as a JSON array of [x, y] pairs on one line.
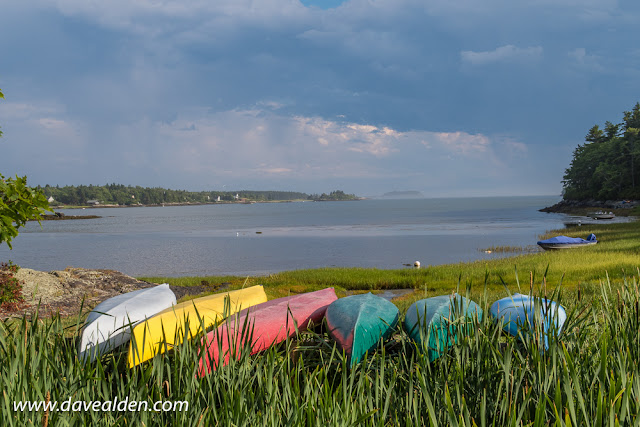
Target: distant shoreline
[[155, 205]]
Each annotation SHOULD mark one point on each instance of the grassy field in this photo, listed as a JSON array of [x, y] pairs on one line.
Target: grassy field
[[589, 375]]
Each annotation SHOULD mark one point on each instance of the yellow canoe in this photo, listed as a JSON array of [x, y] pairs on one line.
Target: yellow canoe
[[185, 320]]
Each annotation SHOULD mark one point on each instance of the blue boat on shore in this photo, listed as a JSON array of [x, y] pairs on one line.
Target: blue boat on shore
[[564, 242]]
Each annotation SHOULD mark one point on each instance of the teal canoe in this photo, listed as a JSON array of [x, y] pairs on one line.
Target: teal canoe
[[441, 319], [357, 323]]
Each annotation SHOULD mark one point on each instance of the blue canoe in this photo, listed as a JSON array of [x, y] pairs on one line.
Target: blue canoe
[[564, 242], [518, 314], [357, 323], [442, 319]]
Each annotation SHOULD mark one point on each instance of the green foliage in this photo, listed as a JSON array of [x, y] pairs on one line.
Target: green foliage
[[10, 287], [606, 166], [18, 204]]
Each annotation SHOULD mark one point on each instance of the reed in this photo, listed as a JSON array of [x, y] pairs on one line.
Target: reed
[[506, 249], [588, 375]]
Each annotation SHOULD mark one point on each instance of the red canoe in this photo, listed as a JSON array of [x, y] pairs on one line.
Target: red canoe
[[270, 323]]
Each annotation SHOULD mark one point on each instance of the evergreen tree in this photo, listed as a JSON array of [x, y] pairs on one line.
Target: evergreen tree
[[606, 166]]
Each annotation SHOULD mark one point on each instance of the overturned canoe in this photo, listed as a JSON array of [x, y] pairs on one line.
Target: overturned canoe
[[262, 326], [182, 321], [357, 323], [436, 323], [523, 313], [109, 324]]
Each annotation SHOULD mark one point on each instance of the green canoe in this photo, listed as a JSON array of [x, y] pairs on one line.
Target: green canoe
[[440, 319], [358, 322]]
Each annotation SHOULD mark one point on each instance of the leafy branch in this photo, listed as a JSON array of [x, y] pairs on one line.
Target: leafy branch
[[18, 204]]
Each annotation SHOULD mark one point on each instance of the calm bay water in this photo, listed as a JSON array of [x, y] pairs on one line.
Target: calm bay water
[[264, 238]]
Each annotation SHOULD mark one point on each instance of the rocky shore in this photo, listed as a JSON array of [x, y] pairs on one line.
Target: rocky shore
[[59, 216], [619, 207], [74, 290]]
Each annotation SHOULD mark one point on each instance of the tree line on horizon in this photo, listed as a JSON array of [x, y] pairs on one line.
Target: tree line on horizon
[[606, 166], [119, 194]]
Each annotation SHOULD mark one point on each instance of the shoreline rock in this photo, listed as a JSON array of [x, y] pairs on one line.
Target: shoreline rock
[[75, 290], [571, 206], [59, 216]]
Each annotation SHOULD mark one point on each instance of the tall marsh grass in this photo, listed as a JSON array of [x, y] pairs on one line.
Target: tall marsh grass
[[589, 375]]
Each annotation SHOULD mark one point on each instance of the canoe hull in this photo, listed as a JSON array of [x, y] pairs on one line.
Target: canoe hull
[[435, 324], [182, 321], [554, 246], [357, 323], [109, 324], [262, 326], [602, 216]]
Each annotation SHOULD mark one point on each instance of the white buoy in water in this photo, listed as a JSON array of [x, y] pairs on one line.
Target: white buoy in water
[[416, 264]]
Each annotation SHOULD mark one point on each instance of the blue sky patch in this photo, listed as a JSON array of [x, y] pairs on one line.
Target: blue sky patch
[[323, 4]]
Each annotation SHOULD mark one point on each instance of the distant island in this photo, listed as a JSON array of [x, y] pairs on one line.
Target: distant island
[[403, 195], [115, 195], [335, 196]]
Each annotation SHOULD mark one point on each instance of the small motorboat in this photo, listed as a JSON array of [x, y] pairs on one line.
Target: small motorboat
[[522, 313], [357, 323], [564, 242], [435, 324], [262, 326], [602, 215]]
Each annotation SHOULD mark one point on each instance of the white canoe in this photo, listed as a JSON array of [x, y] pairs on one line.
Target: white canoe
[[109, 323]]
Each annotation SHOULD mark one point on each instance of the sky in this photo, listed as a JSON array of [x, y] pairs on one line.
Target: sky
[[451, 98]]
